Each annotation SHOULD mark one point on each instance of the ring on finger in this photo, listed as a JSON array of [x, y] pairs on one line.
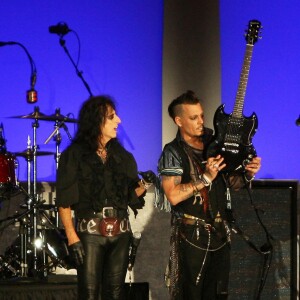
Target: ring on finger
[[216, 166]]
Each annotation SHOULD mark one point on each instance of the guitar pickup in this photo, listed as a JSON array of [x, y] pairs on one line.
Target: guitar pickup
[[231, 144], [230, 150], [231, 147]]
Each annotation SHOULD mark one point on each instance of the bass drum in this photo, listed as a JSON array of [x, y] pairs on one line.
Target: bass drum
[[7, 172]]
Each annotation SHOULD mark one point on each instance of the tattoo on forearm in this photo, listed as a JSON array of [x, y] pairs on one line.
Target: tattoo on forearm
[[177, 180], [185, 187], [197, 182]]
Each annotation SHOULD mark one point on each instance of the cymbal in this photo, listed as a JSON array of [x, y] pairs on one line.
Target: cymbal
[[29, 153], [37, 115], [59, 117]]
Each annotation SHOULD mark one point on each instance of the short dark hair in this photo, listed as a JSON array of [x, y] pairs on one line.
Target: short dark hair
[[188, 97]]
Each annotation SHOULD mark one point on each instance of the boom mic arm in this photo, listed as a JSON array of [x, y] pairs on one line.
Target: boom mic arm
[[31, 94], [62, 29]]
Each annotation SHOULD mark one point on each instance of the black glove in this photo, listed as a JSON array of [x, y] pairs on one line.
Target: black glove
[[77, 253], [148, 176]]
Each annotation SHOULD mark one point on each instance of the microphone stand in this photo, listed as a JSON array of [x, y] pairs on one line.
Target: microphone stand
[[62, 42]]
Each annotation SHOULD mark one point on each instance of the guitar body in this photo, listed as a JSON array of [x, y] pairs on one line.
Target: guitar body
[[233, 140]]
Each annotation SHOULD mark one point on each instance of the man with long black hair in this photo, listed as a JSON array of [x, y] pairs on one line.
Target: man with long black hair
[[98, 179]]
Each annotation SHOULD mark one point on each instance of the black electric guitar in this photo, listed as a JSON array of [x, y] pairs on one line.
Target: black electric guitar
[[234, 132]]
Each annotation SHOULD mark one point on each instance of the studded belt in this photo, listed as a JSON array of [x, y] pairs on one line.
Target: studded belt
[[107, 223]]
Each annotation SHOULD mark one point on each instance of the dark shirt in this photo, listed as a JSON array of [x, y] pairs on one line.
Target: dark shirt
[[86, 184]]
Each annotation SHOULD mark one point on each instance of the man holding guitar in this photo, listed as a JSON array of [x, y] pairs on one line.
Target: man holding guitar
[[198, 191]]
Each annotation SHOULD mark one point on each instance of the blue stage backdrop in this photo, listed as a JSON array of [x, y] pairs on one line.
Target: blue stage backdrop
[[273, 90], [120, 55]]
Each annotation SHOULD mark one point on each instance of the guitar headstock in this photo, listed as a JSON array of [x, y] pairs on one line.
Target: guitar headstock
[[252, 34]]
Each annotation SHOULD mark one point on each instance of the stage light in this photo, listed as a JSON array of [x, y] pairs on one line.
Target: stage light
[[38, 243]]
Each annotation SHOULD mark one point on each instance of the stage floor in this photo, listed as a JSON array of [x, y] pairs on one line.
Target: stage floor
[[54, 287], [58, 287]]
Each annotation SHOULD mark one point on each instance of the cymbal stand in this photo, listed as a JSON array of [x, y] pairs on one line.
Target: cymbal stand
[[28, 159], [25, 230], [35, 197], [56, 135], [57, 139]]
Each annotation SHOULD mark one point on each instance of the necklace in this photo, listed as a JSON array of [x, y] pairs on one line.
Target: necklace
[[102, 153], [100, 150]]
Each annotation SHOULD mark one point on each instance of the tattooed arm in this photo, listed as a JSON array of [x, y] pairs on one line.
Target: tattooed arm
[[176, 191]]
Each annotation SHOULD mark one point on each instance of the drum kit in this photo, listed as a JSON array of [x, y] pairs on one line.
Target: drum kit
[[41, 244]]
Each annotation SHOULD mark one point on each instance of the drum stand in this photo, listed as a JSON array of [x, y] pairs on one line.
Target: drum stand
[[34, 199], [35, 223], [29, 233]]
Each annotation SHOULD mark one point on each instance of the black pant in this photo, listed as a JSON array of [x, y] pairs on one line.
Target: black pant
[[213, 282], [103, 273]]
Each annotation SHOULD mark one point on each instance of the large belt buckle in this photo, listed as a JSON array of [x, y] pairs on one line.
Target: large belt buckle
[[208, 227], [109, 225], [106, 209]]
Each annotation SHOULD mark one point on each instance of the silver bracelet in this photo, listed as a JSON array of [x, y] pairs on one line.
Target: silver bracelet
[[205, 180]]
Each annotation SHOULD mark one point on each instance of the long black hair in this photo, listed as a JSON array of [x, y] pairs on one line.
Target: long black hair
[[91, 116]]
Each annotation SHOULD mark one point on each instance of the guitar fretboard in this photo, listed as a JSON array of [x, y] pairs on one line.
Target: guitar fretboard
[[240, 96]]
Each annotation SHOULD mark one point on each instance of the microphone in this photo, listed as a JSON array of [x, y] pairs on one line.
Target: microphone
[[31, 94], [298, 121], [136, 239], [2, 140], [60, 29]]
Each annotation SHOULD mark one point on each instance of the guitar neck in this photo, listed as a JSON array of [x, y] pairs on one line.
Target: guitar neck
[[240, 96]]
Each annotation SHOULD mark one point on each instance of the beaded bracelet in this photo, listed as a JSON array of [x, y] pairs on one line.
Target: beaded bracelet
[[195, 189]]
